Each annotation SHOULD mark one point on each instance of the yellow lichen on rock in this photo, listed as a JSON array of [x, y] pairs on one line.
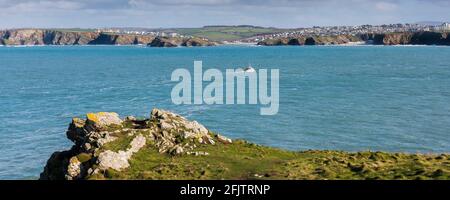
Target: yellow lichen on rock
[[78, 123], [92, 117], [103, 119]]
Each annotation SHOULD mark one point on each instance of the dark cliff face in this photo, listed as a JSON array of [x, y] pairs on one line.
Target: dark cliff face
[[367, 36], [2, 35], [193, 42], [114, 39], [69, 38], [419, 38], [310, 41], [429, 38], [175, 42], [447, 39], [104, 39], [164, 42], [279, 42], [296, 41], [393, 39], [144, 39]]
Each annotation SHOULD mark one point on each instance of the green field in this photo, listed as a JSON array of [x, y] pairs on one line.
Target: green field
[[227, 33], [74, 30]]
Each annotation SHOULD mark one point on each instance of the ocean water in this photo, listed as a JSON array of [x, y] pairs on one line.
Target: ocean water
[[331, 97]]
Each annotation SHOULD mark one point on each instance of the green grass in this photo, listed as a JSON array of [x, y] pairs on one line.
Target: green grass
[[121, 143], [84, 157], [242, 160], [217, 36], [222, 33], [74, 30]]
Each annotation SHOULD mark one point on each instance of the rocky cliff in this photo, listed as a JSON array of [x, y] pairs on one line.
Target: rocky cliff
[[194, 42], [46, 37], [311, 40], [56, 37], [418, 38], [112, 39], [176, 41], [169, 146]]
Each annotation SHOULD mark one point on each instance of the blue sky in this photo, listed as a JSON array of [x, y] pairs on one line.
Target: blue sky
[[197, 13]]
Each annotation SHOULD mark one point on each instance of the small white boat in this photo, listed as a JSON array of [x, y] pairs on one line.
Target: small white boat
[[249, 69]]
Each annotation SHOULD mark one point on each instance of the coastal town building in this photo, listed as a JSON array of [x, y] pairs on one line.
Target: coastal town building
[[351, 30], [445, 26]]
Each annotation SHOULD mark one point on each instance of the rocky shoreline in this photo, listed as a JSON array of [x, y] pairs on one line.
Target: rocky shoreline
[[55, 37], [406, 38], [30, 37], [169, 146]]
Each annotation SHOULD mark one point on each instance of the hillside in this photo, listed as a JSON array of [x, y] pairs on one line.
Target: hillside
[[227, 33], [169, 146]]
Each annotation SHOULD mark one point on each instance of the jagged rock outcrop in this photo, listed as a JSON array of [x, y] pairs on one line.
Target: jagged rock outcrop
[[332, 40], [119, 160], [102, 119], [68, 38], [140, 39], [280, 42], [122, 39], [92, 154], [193, 42], [165, 42], [175, 42]]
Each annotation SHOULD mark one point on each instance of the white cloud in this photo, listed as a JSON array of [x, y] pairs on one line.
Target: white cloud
[[385, 6], [45, 6], [194, 13]]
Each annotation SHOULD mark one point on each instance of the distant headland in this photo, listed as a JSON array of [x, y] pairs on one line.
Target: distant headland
[[72, 37], [393, 34], [403, 38]]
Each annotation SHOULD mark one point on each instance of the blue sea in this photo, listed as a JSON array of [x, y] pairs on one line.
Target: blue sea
[[348, 98]]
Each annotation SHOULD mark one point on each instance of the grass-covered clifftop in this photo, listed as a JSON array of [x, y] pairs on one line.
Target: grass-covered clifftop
[[242, 160], [168, 146]]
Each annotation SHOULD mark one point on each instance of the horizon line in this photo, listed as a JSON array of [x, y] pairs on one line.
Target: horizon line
[[223, 25]]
